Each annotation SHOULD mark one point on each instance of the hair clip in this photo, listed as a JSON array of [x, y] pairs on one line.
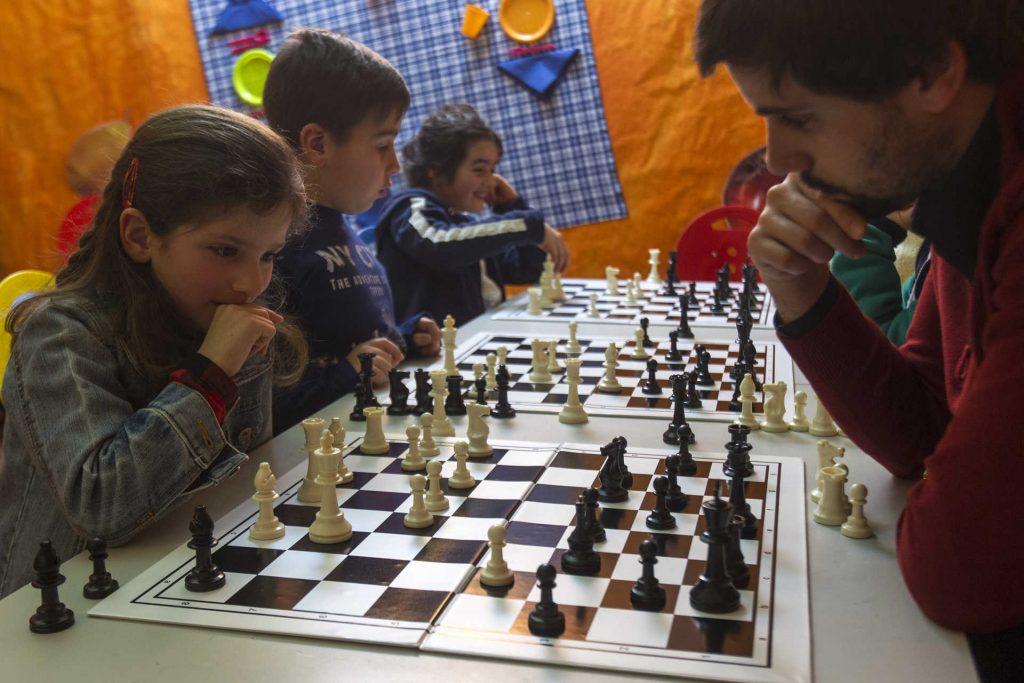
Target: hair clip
[[128, 186]]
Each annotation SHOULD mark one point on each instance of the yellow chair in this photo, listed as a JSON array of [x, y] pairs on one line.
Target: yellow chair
[[13, 288]]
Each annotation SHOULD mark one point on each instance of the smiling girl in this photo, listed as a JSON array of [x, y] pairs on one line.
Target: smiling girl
[[147, 371]]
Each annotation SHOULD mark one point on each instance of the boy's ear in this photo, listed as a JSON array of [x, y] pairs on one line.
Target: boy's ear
[[313, 144], [935, 90], [136, 237]]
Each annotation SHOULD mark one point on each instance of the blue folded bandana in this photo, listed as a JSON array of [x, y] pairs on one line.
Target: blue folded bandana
[[241, 14], [540, 72]]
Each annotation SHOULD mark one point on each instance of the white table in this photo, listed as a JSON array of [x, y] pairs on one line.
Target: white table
[[864, 624]]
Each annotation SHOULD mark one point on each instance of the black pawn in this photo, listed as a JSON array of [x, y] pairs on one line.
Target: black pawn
[[675, 500], [205, 576], [581, 558], [597, 532], [687, 465], [620, 452], [660, 518], [714, 592], [502, 408], [644, 324], [647, 593], [546, 620], [480, 385], [52, 615], [684, 317], [651, 386], [101, 583], [716, 302], [453, 403], [399, 393], [424, 402], [704, 377], [734, 562], [693, 399], [670, 276], [741, 508], [692, 293], [673, 354]]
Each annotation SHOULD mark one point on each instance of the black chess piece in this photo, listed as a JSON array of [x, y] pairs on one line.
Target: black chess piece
[[581, 558], [675, 500], [398, 392], [366, 377], [734, 402], [502, 408], [670, 276], [660, 518], [671, 434], [734, 562], [750, 361], [692, 294], [693, 399], [673, 354], [704, 377], [620, 453], [740, 506], [546, 620], [714, 592], [716, 302], [101, 583], [644, 324], [684, 317], [205, 576], [597, 533], [651, 385], [738, 450], [424, 402], [610, 475], [52, 615], [687, 465], [647, 593], [480, 386], [454, 404], [357, 408]]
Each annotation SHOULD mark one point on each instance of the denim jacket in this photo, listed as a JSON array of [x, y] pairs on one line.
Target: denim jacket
[[93, 448]]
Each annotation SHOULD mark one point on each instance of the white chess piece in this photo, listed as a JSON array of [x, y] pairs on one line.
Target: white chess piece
[[442, 423], [477, 430], [831, 508], [418, 516], [461, 477], [630, 295], [448, 335], [592, 309], [533, 307], [654, 277], [337, 431], [572, 411], [309, 492], [492, 375], [828, 456], [374, 442], [573, 345], [496, 571], [502, 355], [436, 500], [799, 423], [856, 525], [345, 475], [545, 290], [553, 365], [639, 352], [267, 526], [539, 373], [428, 447], [557, 293], [611, 276], [638, 287], [747, 399], [413, 460], [330, 525], [609, 382], [822, 424], [775, 408]]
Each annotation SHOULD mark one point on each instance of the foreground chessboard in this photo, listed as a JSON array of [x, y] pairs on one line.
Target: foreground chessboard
[[417, 587], [659, 309], [773, 364]]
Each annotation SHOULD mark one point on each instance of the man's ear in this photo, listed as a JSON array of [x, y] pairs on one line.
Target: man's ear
[[313, 144], [935, 90], [136, 237]]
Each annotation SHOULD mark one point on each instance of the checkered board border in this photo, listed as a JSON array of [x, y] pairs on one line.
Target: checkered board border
[[773, 364], [557, 151], [418, 587], [652, 304]]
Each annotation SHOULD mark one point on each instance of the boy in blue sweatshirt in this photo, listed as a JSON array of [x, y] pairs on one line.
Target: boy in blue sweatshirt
[[440, 258], [340, 105]]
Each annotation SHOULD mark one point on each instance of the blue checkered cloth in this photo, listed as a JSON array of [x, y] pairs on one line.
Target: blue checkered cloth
[[557, 152]]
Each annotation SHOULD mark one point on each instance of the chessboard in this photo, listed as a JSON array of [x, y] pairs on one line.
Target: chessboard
[[418, 587], [773, 364], [652, 303]]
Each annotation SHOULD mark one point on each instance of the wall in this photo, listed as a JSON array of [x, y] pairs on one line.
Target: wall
[[675, 136]]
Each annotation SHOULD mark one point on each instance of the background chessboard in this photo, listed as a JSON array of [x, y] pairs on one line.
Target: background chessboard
[[417, 587], [652, 304]]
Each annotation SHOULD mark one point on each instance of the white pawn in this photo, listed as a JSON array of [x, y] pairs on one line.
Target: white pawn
[[572, 411], [436, 500], [345, 475], [267, 526], [309, 492], [611, 276], [592, 309], [799, 423], [533, 307], [553, 365], [418, 516], [478, 371], [557, 293], [442, 423], [492, 372], [496, 572], [413, 461], [856, 525], [609, 383], [747, 398], [831, 508], [461, 477], [775, 408], [502, 355], [330, 525], [639, 352], [374, 442], [822, 424], [638, 286], [573, 345], [477, 430], [630, 294], [539, 373], [428, 447]]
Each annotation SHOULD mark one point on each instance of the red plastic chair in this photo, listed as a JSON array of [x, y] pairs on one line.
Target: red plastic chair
[[75, 222], [749, 182], [715, 237]]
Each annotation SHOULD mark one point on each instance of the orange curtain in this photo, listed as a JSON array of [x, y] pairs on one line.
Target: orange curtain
[[72, 65]]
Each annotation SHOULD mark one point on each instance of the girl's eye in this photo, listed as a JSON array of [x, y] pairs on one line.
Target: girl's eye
[[224, 252]]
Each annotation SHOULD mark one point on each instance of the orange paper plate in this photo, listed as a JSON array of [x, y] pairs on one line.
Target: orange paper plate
[[526, 20]]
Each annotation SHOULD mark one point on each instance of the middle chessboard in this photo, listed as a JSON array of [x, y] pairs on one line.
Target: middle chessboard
[[632, 400]]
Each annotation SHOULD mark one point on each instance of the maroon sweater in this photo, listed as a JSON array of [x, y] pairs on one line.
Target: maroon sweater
[[949, 402]]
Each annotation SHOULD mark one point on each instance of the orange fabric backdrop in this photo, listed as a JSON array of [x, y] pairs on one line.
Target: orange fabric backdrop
[[675, 137]]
